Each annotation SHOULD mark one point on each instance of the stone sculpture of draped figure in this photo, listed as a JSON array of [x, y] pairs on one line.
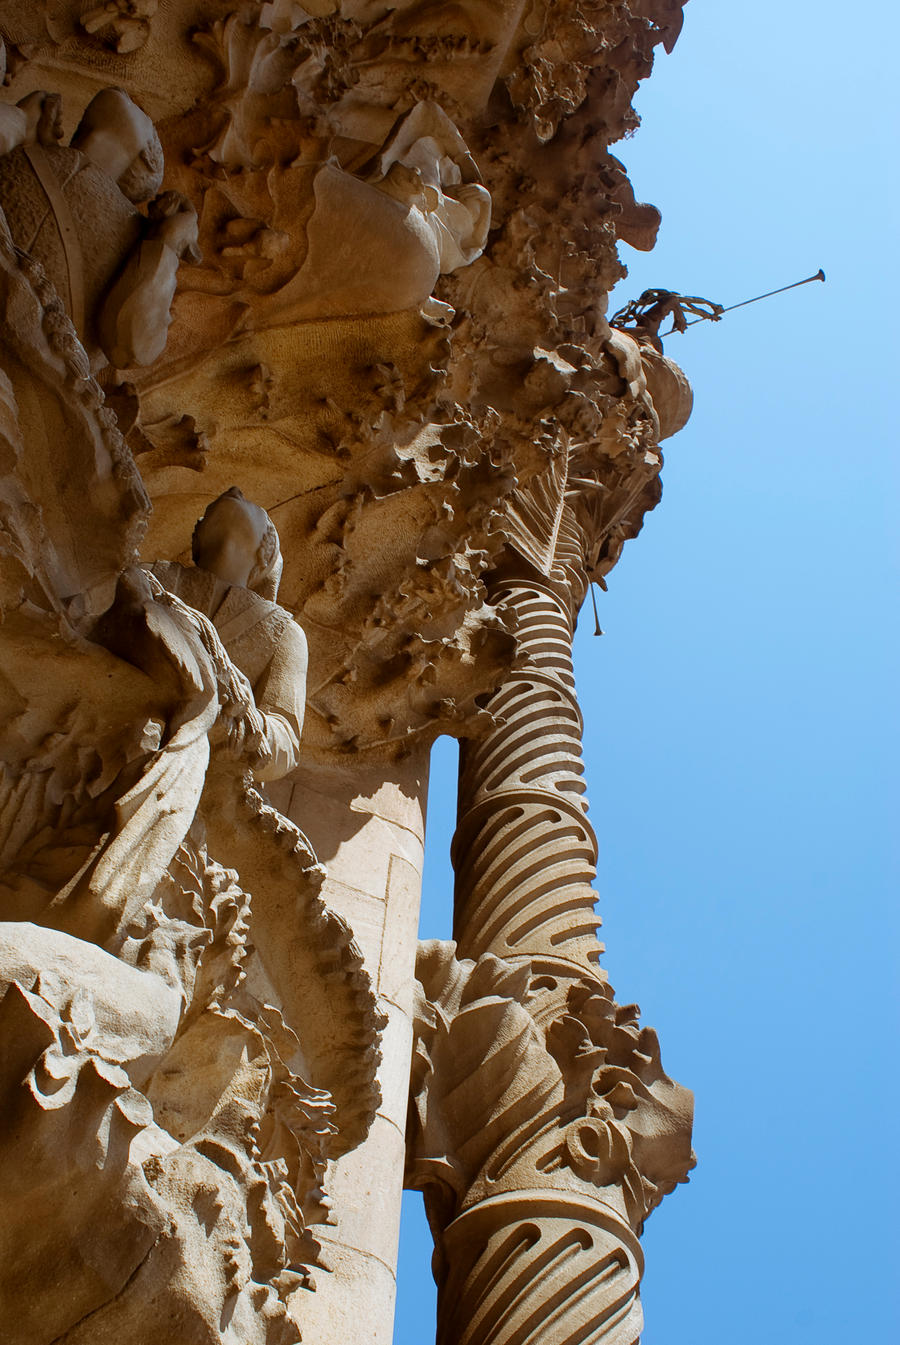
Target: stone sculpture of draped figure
[[167, 966]]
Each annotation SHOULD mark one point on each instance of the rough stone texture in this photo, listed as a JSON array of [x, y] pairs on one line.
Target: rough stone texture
[[334, 278], [543, 1129]]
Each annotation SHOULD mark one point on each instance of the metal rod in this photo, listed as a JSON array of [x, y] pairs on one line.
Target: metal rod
[[820, 275], [708, 317], [597, 630]]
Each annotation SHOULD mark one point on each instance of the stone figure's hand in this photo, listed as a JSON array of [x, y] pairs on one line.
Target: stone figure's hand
[[173, 221], [245, 737], [179, 232]]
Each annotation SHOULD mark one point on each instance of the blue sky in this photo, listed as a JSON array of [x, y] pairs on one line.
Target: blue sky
[[741, 710]]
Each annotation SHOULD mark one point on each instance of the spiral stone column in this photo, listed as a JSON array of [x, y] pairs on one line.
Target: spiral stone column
[[540, 1267], [544, 1128], [524, 852]]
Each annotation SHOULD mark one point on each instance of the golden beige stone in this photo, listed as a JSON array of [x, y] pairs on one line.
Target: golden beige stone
[[313, 434]]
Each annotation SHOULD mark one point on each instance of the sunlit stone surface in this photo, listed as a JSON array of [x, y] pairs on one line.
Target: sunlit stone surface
[[313, 433]]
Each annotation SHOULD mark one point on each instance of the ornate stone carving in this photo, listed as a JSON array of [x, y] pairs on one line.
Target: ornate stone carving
[[73, 208], [543, 1128], [422, 214], [237, 561], [157, 1131], [373, 295], [525, 851], [331, 154], [543, 1131], [123, 25]]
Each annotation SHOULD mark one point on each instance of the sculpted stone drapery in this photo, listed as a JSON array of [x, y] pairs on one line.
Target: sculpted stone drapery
[[159, 1147], [73, 208], [234, 582]]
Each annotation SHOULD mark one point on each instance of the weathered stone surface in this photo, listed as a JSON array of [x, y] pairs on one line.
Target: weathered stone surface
[[529, 1078], [332, 278], [162, 1148]]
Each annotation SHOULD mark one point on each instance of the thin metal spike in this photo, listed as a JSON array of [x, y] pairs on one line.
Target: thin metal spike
[[820, 275]]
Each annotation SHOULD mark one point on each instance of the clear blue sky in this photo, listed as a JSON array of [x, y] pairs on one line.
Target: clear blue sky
[[741, 709]]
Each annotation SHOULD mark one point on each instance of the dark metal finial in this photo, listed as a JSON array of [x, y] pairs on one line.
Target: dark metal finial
[[644, 316], [597, 629]]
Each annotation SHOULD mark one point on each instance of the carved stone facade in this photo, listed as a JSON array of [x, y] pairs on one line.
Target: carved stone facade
[[332, 280]]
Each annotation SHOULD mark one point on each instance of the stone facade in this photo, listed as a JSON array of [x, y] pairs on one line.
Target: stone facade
[[313, 434]]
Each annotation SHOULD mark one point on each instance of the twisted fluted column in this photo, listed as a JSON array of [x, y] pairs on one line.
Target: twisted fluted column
[[524, 852], [541, 1268], [544, 1128]]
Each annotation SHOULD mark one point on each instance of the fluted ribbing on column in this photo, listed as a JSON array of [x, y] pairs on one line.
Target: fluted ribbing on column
[[524, 852], [533, 1269]]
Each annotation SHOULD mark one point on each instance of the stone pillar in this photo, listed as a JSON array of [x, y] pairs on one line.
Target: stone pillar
[[531, 1247], [545, 1128], [367, 828], [524, 851]]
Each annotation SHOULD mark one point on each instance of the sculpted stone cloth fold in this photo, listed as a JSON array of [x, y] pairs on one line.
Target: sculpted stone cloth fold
[[265, 642]]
